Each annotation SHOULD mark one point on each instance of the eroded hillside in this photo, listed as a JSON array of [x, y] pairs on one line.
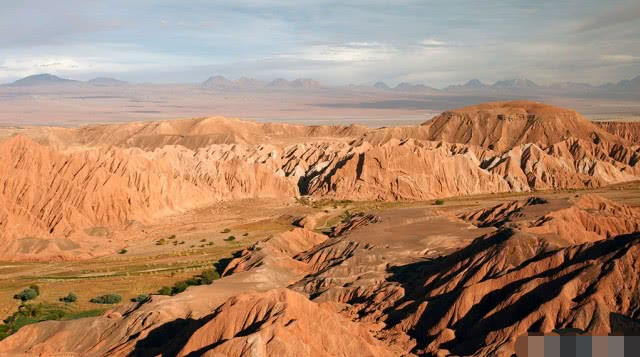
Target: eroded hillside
[[112, 175]]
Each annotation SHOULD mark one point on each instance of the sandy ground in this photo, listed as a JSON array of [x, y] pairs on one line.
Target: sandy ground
[[77, 105]]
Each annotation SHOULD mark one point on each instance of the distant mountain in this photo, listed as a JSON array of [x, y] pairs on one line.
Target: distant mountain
[[626, 84], [408, 87], [106, 81], [381, 85], [515, 84], [217, 82], [41, 79], [305, 83], [474, 84], [220, 82], [248, 82], [298, 83]]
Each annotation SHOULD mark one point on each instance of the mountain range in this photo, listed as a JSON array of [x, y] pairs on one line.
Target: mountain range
[[244, 83], [46, 79]]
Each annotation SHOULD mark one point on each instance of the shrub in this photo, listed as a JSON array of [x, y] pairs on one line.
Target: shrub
[[182, 242], [179, 287], [165, 290], [439, 202], [203, 240], [36, 288], [230, 239], [71, 297], [141, 298], [122, 251], [226, 230], [210, 243], [246, 234], [173, 236], [208, 276], [27, 294], [161, 241], [106, 299]]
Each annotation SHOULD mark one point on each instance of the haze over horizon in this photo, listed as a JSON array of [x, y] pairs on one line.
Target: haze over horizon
[[362, 42]]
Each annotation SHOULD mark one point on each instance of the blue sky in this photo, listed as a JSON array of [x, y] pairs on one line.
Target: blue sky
[[335, 42]]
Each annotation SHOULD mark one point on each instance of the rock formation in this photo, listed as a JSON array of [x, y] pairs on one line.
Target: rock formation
[[370, 290], [142, 171]]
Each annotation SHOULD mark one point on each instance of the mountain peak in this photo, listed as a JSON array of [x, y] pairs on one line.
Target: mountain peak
[[41, 79], [106, 81], [474, 83], [515, 83], [298, 83], [408, 87], [381, 85]]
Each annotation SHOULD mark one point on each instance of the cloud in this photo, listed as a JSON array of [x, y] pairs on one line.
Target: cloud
[[432, 42], [348, 52], [616, 16], [620, 58], [436, 43], [85, 60]]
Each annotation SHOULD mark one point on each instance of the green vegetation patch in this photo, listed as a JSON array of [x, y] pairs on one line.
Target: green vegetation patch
[[29, 293], [106, 299], [70, 298], [28, 314]]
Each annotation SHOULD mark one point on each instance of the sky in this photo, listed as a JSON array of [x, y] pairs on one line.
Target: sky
[[335, 42]]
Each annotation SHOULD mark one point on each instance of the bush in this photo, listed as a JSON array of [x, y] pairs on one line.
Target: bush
[[161, 241], [71, 297], [230, 239], [203, 240], [173, 236], [165, 290], [27, 294], [106, 299], [141, 298], [122, 251], [208, 276], [246, 234], [36, 288], [439, 202], [226, 230], [179, 287]]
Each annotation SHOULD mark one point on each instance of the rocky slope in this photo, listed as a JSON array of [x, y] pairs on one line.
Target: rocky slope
[[410, 281], [501, 126], [627, 130]]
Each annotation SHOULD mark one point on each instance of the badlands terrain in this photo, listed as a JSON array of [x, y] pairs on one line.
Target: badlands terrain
[[450, 237]]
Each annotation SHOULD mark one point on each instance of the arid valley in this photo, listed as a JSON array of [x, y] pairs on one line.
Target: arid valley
[[241, 238]]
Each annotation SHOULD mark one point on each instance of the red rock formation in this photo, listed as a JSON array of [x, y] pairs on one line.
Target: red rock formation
[[629, 131], [281, 323]]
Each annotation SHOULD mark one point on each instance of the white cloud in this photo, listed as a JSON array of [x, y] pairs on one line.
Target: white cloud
[[84, 60], [620, 58], [432, 42], [348, 52]]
